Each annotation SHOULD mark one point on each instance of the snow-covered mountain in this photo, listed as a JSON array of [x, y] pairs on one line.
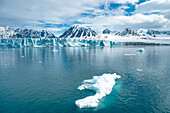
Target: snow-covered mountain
[[107, 31], [128, 32], [77, 31], [6, 32], [153, 33], [143, 33]]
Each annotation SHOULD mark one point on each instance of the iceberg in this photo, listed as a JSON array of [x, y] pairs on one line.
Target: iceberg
[[55, 50], [141, 50], [139, 69], [102, 85], [130, 54]]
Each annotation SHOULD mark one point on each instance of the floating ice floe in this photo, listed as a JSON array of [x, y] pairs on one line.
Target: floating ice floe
[[129, 54], [139, 69], [102, 85], [55, 50], [141, 50]]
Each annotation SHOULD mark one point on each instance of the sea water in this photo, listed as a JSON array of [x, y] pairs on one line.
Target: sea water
[[45, 80]]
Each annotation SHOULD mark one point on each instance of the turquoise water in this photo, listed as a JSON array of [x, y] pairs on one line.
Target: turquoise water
[[38, 80]]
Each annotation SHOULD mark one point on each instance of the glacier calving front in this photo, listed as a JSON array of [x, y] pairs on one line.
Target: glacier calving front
[[102, 85], [38, 42]]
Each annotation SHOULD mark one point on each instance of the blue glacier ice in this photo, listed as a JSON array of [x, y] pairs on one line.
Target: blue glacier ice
[[141, 50], [55, 42]]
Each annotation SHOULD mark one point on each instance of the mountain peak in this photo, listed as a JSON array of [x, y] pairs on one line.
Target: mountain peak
[[106, 31], [77, 31]]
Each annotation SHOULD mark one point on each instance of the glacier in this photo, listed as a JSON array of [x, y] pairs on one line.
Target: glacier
[[102, 85], [55, 42], [79, 42]]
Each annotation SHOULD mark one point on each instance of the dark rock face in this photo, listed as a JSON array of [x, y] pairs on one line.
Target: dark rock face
[[106, 31], [78, 32], [26, 33], [127, 32]]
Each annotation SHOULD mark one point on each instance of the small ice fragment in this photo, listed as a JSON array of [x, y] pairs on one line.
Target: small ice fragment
[[55, 50], [22, 56], [139, 69], [88, 102], [129, 54], [141, 50], [39, 62], [102, 85]]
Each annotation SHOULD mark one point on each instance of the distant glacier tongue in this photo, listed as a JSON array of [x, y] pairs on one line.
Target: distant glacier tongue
[[101, 84]]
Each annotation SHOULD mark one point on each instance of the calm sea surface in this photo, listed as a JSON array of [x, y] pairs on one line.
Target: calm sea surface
[[39, 80]]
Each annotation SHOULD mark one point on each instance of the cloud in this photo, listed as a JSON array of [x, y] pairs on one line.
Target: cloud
[[101, 2], [153, 5], [120, 22], [153, 14], [156, 6], [126, 1], [99, 14], [161, 6], [53, 11]]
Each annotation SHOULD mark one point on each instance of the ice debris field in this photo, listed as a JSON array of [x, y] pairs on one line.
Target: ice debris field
[[102, 85]]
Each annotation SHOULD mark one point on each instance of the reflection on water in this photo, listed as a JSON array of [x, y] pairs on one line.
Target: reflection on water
[[42, 80]]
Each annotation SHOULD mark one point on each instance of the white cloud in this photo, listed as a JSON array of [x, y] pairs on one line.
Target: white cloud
[[153, 5], [161, 6], [54, 11], [126, 1], [50, 10], [120, 22], [36, 13], [101, 2]]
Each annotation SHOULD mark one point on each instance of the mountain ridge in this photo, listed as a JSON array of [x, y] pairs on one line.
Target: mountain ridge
[[142, 32], [77, 31], [7, 32]]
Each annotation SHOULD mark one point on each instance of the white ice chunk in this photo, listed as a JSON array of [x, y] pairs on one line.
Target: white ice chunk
[[139, 69], [55, 50], [102, 85], [90, 101], [129, 54]]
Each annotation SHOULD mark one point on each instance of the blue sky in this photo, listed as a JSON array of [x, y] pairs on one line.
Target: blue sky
[[57, 16]]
